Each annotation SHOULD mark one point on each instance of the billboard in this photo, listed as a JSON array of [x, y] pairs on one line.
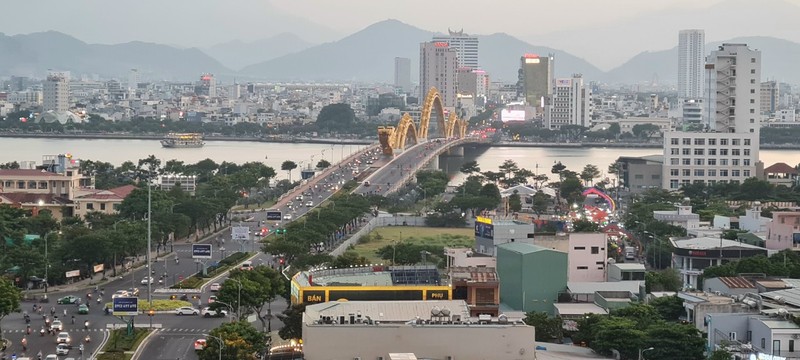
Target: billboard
[[512, 115], [201, 251], [125, 306], [240, 233], [274, 215], [484, 230]]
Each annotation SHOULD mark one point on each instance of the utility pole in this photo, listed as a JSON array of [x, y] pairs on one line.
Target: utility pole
[[149, 244]]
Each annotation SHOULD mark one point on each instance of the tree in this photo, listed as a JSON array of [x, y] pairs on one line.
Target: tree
[[349, 259], [754, 189], [721, 354], [288, 166], [547, 329], [260, 286], [323, 164], [515, 202], [241, 342], [470, 167], [9, 298], [540, 202], [589, 173], [336, 117], [619, 334], [585, 226], [645, 131], [675, 341], [292, 319], [558, 168], [664, 280], [669, 307], [508, 167]]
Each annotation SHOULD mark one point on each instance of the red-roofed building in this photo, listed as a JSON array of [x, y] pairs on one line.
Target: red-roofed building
[[38, 189], [104, 201], [781, 174], [479, 286]]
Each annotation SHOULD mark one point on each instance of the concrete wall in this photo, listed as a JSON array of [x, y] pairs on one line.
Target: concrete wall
[[510, 272], [531, 281], [584, 265], [371, 342], [375, 223]]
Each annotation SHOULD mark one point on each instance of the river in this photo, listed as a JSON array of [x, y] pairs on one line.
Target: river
[[273, 154]]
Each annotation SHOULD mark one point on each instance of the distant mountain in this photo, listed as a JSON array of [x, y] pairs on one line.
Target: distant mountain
[[33, 54], [368, 55], [779, 61], [499, 55], [238, 54]]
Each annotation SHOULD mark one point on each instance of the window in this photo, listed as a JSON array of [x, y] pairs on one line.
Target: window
[[712, 173], [712, 141], [752, 71], [723, 173], [699, 141], [749, 336], [673, 184], [699, 172], [699, 152], [746, 173], [735, 162], [752, 111], [735, 173], [752, 101], [746, 162], [31, 184], [686, 151], [712, 152], [638, 177], [699, 161], [747, 141], [673, 172], [723, 142], [687, 172], [674, 161], [687, 161], [723, 152], [687, 141], [674, 151], [673, 141], [752, 91], [753, 60], [42, 184], [752, 81], [579, 248], [791, 345], [583, 268], [102, 206], [595, 249], [90, 206], [776, 347], [723, 162], [115, 207], [746, 152], [712, 162], [735, 142]]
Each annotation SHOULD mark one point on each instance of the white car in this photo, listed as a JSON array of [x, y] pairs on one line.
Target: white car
[[310, 204], [214, 287], [57, 325], [287, 217], [51, 357], [207, 312], [186, 310], [63, 338], [120, 293], [147, 280], [199, 344], [62, 349]]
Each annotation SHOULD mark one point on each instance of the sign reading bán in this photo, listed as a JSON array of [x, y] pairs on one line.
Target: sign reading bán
[[201, 251]]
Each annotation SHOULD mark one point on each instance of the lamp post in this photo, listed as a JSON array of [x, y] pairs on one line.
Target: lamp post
[[149, 244], [221, 343], [47, 261], [238, 300], [230, 307], [642, 351]]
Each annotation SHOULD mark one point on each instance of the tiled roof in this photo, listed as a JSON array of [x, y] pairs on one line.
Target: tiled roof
[[474, 274], [123, 191], [28, 172], [780, 168], [736, 282]]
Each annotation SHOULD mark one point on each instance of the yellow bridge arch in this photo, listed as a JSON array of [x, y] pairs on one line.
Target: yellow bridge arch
[[395, 138]]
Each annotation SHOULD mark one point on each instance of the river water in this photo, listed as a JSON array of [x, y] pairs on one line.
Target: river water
[[536, 159]]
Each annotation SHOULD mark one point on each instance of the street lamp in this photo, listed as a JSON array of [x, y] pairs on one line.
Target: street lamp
[[230, 307], [47, 260], [642, 351], [238, 300], [221, 343]]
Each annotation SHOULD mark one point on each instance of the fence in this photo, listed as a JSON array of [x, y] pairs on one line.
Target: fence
[[375, 223]]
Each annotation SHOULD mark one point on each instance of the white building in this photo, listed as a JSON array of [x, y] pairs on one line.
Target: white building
[[466, 47], [770, 97], [55, 93], [133, 80], [682, 217], [728, 152], [571, 104], [691, 256], [437, 68], [693, 113], [402, 73], [691, 51]]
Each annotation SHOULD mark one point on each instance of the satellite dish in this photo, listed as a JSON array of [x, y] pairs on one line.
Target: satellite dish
[[435, 311]]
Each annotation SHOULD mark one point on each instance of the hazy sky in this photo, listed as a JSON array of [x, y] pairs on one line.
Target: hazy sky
[[558, 24]]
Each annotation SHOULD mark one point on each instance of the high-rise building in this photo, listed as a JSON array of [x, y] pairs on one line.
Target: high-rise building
[[402, 73], [691, 52], [571, 103], [133, 80], [208, 85], [770, 97], [55, 92], [437, 68], [535, 83], [727, 149], [466, 47]]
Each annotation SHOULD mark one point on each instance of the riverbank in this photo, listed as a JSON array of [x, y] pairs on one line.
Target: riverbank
[[120, 136]]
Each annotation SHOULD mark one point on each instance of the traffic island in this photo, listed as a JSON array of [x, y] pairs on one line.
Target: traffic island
[[121, 346]]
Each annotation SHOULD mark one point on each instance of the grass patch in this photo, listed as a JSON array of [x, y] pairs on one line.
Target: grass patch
[[383, 236], [197, 280], [120, 342], [262, 206], [159, 305]]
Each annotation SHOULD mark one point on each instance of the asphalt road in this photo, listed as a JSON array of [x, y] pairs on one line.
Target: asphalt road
[[386, 177]]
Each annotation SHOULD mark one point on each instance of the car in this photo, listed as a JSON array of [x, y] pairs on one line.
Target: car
[[212, 299], [214, 287], [310, 203], [186, 310], [133, 292], [63, 338], [147, 280], [51, 357], [62, 349], [57, 325], [247, 265], [69, 299], [207, 312], [199, 344], [82, 310], [287, 217]]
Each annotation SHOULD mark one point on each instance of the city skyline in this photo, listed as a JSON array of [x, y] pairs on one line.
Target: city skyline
[[315, 21]]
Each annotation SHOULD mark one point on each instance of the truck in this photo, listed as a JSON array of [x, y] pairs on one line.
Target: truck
[[630, 253]]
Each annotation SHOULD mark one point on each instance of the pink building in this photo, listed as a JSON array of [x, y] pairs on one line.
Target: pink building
[[784, 231], [586, 254]]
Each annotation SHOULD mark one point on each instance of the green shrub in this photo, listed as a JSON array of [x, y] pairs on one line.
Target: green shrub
[[159, 305]]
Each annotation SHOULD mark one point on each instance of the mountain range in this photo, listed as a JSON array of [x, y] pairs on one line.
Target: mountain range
[[365, 56]]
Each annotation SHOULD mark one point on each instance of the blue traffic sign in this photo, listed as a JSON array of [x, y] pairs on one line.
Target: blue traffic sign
[[125, 306], [274, 215], [201, 251]]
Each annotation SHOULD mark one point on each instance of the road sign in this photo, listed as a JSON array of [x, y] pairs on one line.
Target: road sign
[[274, 215], [125, 306], [201, 251], [240, 232]]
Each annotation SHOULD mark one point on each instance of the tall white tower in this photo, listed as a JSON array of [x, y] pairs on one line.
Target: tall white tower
[[691, 51], [466, 47], [55, 92], [437, 68]]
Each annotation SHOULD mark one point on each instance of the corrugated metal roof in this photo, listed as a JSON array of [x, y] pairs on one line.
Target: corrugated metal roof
[[386, 311], [592, 287], [523, 248], [788, 296], [736, 282]]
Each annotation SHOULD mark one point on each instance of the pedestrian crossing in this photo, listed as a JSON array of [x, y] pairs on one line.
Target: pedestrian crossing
[[183, 330], [36, 331]]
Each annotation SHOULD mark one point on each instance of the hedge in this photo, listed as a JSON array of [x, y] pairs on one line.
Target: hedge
[[197, 280], [120, 342]]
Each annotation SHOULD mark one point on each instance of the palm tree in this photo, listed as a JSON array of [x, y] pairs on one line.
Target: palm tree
[[288, 166]]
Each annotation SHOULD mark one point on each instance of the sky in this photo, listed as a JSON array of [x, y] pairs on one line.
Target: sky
[[576, 26]]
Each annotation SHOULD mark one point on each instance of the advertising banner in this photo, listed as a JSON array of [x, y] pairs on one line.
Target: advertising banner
[[98, 268], [125, 306], [73, 273], [201, 251], [274, 215], [240, 232]]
